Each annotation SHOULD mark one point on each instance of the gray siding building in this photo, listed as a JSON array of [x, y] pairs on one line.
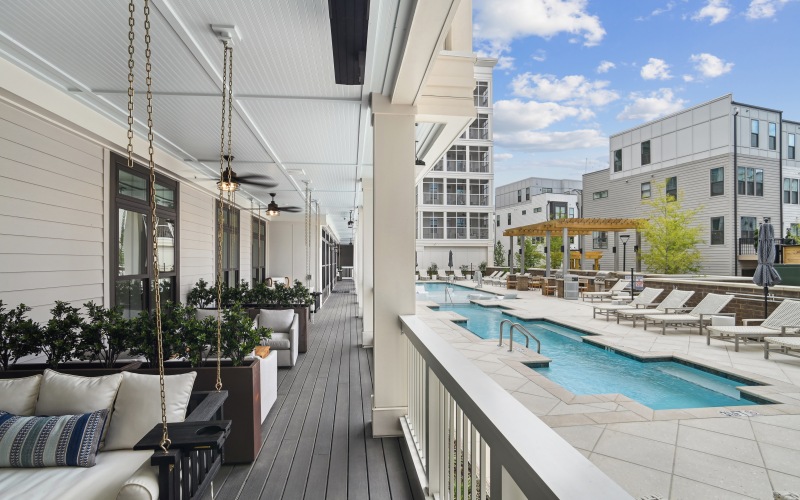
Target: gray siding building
[[735, 181]]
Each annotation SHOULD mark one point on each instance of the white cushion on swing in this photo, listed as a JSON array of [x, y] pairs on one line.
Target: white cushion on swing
[[62, 394], [138, 406], [142, 485]]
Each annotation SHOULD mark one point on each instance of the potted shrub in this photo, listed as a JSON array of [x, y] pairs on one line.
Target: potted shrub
[[239, 338], [104, 335], [482, 267], [202, 295], [58, 338], [433, 270], [465, 270], [16, 332]]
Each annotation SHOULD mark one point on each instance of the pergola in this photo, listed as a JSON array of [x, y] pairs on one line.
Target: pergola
[[576, 227]]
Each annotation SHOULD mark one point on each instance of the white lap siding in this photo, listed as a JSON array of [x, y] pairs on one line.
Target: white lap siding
[[197, 238]]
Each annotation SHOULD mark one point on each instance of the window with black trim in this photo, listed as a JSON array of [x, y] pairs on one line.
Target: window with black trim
[[599, 239], [509, 218], [718, 230], [790, 147], [527, 193], [773, 135], [599, 195], [519, 195], [748, 228], [537, 210], [672, 188], [230, 242], [717, 181], [790, 191], [618, 160], [258, 257], [753, 133], [645, 152], [132, 256], [750, 181], [646, 193]]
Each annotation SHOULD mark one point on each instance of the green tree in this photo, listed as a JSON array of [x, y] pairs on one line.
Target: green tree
[[556, 255], [499, 254], [533, 257], [671, 233]]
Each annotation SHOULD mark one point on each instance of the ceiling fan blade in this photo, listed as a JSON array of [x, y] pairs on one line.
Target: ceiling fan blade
[[290, 209], [257, 183], [254, 177]]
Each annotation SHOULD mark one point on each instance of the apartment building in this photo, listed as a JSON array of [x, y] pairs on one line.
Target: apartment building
[[454, 200], [734, 162]]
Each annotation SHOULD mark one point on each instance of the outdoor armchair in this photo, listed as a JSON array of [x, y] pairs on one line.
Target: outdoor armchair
[[285, 333], [711, 305], [784, 319], [645, 299], [674, 301]]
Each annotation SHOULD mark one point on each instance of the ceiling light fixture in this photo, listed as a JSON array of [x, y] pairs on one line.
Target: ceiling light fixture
[[350, 222]]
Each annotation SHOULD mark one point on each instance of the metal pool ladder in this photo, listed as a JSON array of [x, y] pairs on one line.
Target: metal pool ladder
[[448, 294], [528, 336]]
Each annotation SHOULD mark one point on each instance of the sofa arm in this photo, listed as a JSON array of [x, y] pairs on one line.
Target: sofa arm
[[142, 485], [206, 405]]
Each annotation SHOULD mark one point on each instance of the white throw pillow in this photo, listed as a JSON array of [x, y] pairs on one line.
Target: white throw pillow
[[138, 406], [62, 394], [18, 395], [280, 320]]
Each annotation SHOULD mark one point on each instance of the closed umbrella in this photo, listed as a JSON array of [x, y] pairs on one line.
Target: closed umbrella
[[450, 261], [765, 274]]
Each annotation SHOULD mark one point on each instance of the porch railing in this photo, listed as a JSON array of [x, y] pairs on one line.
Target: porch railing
[[470, 439], [747, 246]]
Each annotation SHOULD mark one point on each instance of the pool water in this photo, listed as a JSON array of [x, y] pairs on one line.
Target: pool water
[[583, 368], [458, 294]]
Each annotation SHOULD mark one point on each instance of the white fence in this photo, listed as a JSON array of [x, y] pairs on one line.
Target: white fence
[[471, 440]]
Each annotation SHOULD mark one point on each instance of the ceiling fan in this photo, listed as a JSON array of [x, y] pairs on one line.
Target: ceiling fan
[[230, 181], [273, 209]]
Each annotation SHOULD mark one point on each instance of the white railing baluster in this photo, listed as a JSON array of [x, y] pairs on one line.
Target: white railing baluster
[[473, 466], [483, 473]]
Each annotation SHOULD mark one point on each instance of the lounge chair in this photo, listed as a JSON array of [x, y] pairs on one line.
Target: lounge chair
[[675, 300], [500, 278], [618, 287], [711, 305], [645, 299], [785, 317], [787, 344]]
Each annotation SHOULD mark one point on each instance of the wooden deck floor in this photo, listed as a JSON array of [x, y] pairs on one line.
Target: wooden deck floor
[[316, 442]]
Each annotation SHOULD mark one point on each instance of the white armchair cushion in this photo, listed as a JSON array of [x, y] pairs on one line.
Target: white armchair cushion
[[18, 395], [61, 394], [142, 485], [138, 406], [280, 320]]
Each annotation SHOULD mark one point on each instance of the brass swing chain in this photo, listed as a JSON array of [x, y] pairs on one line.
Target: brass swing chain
[[165, 441], [131, 22], [220, 209]]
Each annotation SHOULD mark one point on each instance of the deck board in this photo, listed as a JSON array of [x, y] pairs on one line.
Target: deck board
[[316, 437]]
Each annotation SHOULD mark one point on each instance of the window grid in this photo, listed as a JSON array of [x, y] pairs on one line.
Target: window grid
[[457, 159], [479, 159], [457, 225], [717, 181], [481, 94], [599, 239], [433, 191], [456, 191], [600, 194], [646, 192], [433, 225], [479, 192], [479, 129], [790, 191], [750, 181]]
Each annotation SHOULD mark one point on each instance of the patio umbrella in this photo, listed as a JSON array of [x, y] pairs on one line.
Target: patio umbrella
[[765, 274], [450, 260]]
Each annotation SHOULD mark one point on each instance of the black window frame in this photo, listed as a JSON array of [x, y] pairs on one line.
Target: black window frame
[[645, 155], [717, 235], [772, 132], [124, 202], [671, 190], [717, 187], [790, 147], [617, 160], [649, 191], [599, 240], [754, 131], [750, 181], [599, 195], [230, 274], [747, 234], [258, 249]]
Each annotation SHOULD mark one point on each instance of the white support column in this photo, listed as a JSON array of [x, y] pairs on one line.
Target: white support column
[[547, 252], [582, 250], [368, 259], [522, 260], [393, 246], [565, 253], [358, 263], [616, 251], [513, 257]]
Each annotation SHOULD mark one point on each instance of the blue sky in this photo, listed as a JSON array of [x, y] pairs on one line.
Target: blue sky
[[572, 72]]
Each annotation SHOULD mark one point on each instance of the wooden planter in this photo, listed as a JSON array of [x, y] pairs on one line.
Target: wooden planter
[[303, 313], [82, 368]]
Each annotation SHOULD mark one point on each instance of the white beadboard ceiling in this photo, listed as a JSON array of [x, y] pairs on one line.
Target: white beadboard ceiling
[[289, 112]]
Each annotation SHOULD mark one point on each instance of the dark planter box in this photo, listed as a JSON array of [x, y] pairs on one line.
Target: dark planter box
[[82, 368], [242, 408], [303, 312]]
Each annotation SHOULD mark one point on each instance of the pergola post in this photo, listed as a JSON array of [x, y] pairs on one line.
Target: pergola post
[[565, 253], [580, 249], [616, 251], [511, 248], [522, 248], [547, 254]]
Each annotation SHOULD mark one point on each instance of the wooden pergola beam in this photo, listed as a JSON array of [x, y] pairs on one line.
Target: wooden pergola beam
[[575, 226]]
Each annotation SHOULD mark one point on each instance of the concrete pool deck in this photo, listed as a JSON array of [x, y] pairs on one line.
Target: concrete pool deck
[[682, 454]]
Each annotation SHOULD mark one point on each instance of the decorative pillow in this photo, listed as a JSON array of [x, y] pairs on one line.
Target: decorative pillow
[[138, 406], [50, 441], [18, 395], [280, 320], [62, 394]]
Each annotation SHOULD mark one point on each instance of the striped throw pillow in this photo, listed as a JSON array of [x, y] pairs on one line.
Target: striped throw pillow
[[50, 441]]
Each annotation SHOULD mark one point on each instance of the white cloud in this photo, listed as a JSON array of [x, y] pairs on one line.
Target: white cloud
[[655, 69], [539, 56], [764, 9], [505, 20], [605, 66], [503, 156], [710, 66], [651, 106], [715, 10], [505, 62], [572, 89], [513, 115], [543, 141], [663, 10], [688, 78]]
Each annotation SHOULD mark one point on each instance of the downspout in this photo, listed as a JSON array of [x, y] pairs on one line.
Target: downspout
[[780, 174], [735, 196]]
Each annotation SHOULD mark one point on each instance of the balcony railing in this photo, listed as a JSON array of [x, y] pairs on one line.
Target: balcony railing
[[747, 246], [470, 439]]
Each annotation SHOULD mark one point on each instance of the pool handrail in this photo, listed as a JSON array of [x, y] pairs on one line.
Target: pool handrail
[[525, 333]]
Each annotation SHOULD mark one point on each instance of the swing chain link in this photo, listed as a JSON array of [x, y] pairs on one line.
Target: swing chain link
[[220, 209], [131, 35]]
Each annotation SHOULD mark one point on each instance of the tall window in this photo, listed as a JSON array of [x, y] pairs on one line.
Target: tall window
[[599, 239], [717, 181], [790, 194], [753, 133], [258, 257], [457, 225], [433, 191], [457, 159], [718, 230], [519, 195], [558, 210], [571, 212], [527, 193], [498, 221], [618, 160], [479, 192], [479, 226], [480, 127], [748, 228], [432, 225], [230, 242], [790, 152], [479, 159], [456, 191], [646, 193], [645, 152], [133, 256], [481, 94], [509, 218], [672, 188], [750, 181], [773, 136]]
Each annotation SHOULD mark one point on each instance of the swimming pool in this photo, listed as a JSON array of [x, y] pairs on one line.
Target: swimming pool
[[583, 368], [459, 295]]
